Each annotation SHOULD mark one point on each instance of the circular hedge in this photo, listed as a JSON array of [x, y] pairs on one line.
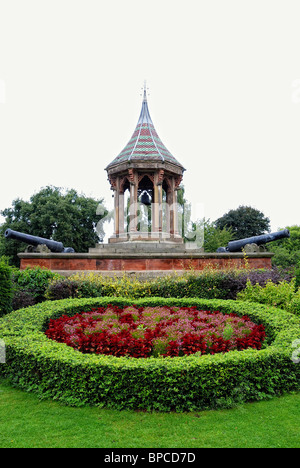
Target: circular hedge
[[55, 370]]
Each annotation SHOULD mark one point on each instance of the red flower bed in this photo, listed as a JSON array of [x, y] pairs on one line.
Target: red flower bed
[[141, 332]]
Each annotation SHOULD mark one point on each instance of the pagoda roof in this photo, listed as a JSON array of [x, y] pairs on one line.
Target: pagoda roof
[[145, 144]]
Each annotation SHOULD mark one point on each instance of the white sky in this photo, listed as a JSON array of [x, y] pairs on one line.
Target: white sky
[[224, 84]]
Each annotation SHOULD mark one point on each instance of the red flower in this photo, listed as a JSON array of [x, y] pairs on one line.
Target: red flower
[[138, 332]]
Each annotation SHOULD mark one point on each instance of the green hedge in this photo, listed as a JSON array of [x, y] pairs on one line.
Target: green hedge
[[209, 284], [5, 288], [55, 370]]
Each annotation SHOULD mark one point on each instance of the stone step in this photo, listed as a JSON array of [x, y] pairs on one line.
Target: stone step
[[126, 247]]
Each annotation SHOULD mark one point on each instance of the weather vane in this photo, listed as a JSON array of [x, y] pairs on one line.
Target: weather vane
[[145, 90]]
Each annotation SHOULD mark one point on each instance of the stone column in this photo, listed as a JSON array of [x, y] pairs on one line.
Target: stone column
[[171, 199], [159, 187], [154, 208], [175, 213], [116, 207], [173, 210], [121, 214], [133, 201], [157, 206], [167, 213]]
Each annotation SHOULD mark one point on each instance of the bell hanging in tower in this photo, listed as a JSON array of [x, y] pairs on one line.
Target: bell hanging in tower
[[145, 198]]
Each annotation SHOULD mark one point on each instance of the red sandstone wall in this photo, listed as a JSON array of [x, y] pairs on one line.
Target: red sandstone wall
[[143, 264]]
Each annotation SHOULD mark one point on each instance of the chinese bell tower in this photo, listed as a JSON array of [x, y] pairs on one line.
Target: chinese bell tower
[[151, 175]]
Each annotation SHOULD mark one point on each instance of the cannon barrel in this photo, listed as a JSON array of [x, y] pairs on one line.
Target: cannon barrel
[[237, 246], [52, 245]]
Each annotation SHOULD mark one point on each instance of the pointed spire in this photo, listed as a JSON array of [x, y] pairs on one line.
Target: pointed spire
[[145, 114], [145, 144]]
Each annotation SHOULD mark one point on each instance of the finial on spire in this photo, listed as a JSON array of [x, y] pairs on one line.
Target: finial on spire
[[145, 90]]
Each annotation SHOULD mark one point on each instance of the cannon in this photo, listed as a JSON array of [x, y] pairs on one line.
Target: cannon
[[253, 243], [38, 244]]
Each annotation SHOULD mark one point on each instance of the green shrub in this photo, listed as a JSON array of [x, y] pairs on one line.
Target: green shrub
[[297, 275], [209, 283], [71, 288], [22, 299], [294, 306], [5, 288], [34, 282], [277, 295], [55, 370], [61, 289]]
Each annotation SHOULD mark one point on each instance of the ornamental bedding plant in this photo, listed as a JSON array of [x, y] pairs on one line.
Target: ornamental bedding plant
[[141, 332]]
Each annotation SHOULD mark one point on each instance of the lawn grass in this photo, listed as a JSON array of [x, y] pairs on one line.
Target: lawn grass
[[26, 422]]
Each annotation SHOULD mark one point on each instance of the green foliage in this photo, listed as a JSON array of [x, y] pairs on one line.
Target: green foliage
[[297, 274], [53, 214], [294, 305], [184, 212], [33, 281], [245, 221], [202, 231], [215, 237], [284, 295], [284, 258], [5, 287], [287, 251], [209, 236], [209, 283], [78, 286], [55, 370]]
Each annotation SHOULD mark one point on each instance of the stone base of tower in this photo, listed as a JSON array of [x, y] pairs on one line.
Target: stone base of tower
[[142, 237], [142, 258]]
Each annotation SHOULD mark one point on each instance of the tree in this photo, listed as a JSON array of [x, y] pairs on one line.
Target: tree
[[287, 251], [184, 212], [244, 222], [209, 236], [66, 217], [215, 237]]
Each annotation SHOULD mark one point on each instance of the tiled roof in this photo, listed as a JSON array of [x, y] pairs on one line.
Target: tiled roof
[[145, 143]]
